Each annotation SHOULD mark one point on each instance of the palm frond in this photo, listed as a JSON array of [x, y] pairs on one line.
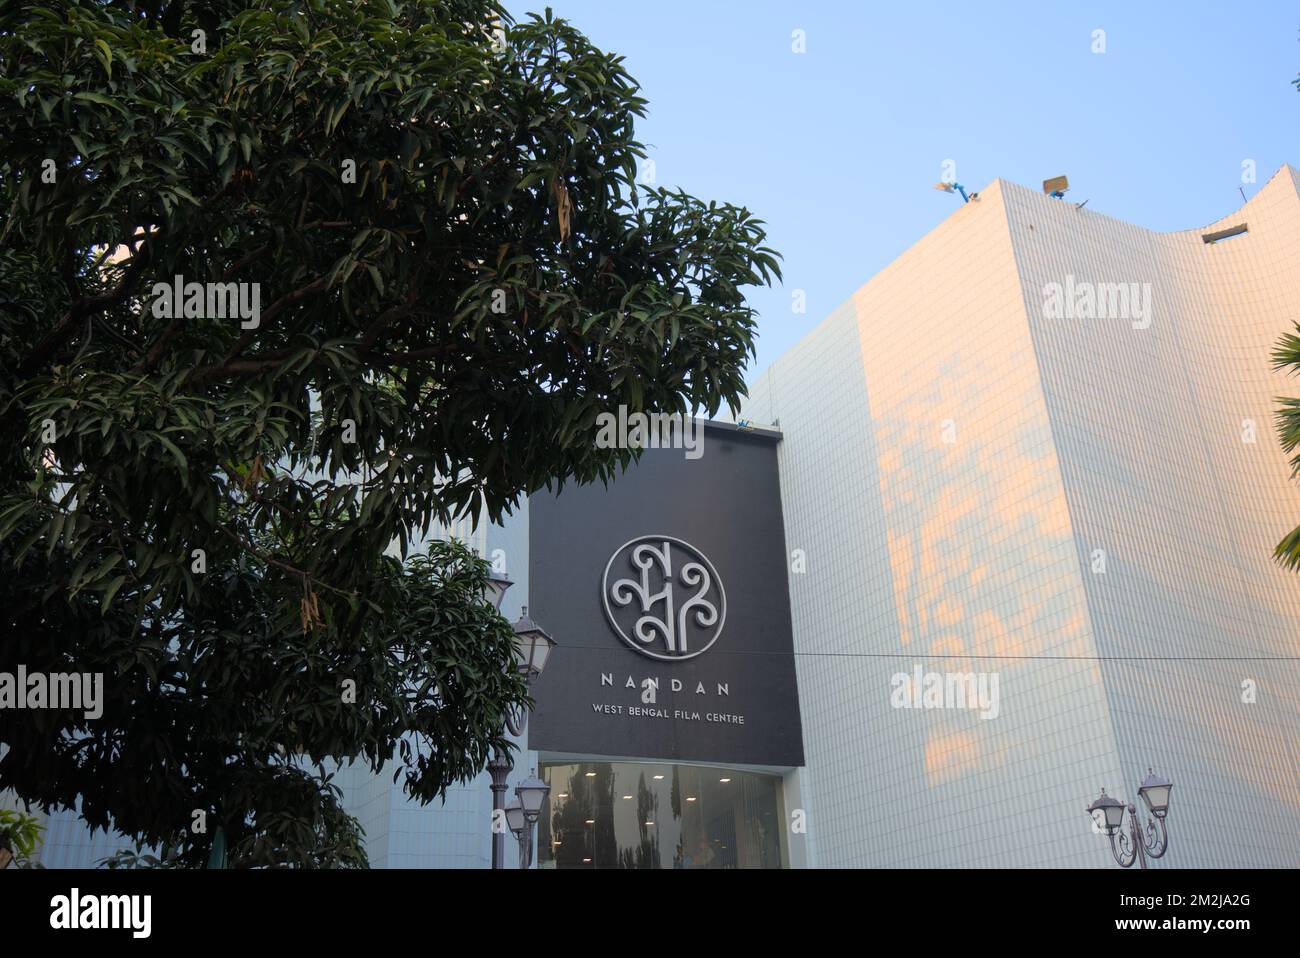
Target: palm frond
[[1287, 552], [1287, 352], [1287, 420]]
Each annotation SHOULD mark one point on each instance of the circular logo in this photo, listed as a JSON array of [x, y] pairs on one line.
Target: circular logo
[[663, 597]]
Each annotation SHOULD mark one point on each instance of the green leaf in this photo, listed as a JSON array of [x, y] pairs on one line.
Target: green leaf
[[109, 593], [100, 99], [105, 55]]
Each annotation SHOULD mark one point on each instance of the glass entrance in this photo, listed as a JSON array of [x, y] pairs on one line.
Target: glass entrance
[[634, 815]]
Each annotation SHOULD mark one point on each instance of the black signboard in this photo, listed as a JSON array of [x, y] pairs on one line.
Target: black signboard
[[667, 595]]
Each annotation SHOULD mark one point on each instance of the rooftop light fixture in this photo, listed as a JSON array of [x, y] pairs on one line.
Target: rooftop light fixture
[[1056, 187], [950, 187]]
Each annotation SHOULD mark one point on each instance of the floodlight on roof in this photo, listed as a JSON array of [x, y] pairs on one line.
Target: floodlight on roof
[[949, 187], [1056, 186]]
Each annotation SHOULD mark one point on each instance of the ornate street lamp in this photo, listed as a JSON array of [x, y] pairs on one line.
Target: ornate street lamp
[[532, 792], [515, 819], [1112, 812], [1155, 792], [499, 765], [532, 647], [496, 590], [1140, 842], [523, 812]]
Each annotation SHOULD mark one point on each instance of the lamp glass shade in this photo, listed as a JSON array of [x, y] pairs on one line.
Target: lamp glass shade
[[515, 817], [1155, 792], [496, 589], [532, 646], [1114, 815], [532, 792], [1112, 811]]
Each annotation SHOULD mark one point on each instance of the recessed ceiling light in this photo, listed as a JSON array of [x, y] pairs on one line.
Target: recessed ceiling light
[[649, 823], [591, 821], [724, 781], [586, 859], [691, 799], [591, 774], [626, 797], [657, 777]]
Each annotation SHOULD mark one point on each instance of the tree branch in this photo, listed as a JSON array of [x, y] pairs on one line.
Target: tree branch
[[50, 343]]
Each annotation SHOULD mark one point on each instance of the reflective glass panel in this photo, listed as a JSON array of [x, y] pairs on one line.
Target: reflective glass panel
[[634, 815]]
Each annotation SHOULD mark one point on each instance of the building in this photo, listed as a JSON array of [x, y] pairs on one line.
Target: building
[[1003, 539], [1039, 446], [667, 720]]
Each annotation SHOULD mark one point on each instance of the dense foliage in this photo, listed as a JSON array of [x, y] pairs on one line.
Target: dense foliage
[[456, 271]]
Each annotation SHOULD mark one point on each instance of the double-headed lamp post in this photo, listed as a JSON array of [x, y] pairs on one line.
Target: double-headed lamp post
[[523, 812], [532, 648], [1140, 842]]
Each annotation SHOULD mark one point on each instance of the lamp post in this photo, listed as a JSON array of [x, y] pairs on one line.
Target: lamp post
[[532, 647], [499, 765], [1139, 842], [523, 812]]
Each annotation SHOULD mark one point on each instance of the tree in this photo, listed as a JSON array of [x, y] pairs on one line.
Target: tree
[[425, 267], [20, 836]]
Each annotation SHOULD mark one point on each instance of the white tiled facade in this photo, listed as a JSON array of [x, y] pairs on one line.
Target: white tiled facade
[[1084, 506]]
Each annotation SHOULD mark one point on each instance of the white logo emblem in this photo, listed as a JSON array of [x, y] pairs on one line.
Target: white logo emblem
[[659, 564]]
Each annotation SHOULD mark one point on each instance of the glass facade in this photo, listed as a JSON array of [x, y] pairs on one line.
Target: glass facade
[[634, 815]]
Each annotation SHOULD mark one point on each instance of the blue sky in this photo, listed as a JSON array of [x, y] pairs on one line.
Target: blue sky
[[837, 148]]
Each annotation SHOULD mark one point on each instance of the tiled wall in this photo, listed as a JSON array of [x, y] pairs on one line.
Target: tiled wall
[[952, 461], [1173, 470]]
